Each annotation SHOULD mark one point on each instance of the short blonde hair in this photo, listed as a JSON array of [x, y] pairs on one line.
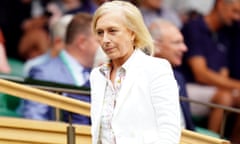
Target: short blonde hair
[[133, 21]]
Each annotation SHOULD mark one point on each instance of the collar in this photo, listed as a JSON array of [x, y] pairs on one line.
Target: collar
[[74, 67], [106, 68]]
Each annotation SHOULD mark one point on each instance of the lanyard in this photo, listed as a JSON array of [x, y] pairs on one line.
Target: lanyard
[[70, 68]]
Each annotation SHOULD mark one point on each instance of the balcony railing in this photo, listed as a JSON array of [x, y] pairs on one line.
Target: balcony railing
[[36, 91]]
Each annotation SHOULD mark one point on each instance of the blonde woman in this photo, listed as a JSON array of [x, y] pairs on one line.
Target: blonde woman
[[134, 96]]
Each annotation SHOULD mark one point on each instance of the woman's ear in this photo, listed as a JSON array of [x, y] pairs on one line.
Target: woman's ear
[[133, 37]]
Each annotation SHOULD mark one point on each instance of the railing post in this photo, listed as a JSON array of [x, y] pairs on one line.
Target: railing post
[[222, 130], [70, 131], [57, 110]]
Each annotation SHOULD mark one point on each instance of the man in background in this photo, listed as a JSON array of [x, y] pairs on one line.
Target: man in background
[[58, 32], [72, 66], [169, 44], [206, 62]]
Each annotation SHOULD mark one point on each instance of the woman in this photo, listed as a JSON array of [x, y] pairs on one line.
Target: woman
[[134, 96]]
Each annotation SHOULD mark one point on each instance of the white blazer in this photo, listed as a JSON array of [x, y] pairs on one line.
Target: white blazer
[[147, 109]]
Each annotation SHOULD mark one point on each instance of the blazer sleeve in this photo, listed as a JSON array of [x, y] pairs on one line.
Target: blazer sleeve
[[165, 100]]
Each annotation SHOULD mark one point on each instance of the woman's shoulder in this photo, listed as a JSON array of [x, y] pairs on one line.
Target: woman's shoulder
[[156, 62], [155, 66], [95, 70]]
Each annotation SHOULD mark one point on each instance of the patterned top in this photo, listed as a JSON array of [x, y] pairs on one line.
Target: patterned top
[[111, 93]]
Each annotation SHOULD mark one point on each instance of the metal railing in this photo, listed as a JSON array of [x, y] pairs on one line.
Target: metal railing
[[226, 110]]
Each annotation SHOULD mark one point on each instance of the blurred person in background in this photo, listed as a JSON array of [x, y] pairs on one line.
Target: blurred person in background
[[44, 14], [35, 38], [58, 33], [152, 9], [169, 44], [59, 8], [206, 61], [99, 2], [72, 66], [12, 14]]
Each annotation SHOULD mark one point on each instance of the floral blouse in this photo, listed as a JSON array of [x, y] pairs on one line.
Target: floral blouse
[[111, 93]]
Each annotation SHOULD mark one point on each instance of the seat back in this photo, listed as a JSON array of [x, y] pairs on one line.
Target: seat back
[[5, 104], [16, 67], [190, 137]]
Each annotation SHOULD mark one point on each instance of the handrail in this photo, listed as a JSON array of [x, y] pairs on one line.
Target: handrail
[[60, 90], [47, 85], [35, 82], [86, 106], [61, 102], [52, 99], [213, 105], [26, 131], [79, 90]]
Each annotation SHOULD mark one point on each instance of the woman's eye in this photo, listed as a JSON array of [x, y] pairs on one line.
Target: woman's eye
[[113, 30], [99, 32]]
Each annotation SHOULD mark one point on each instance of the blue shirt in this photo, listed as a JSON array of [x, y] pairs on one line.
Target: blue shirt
[[34, 62], [213, 46], [55, 70]]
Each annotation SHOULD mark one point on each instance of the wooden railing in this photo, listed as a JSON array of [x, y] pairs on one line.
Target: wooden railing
[[22, 131], [52, 99]]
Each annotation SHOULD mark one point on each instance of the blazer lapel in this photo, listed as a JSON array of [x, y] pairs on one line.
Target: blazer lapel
[[123, 94], [101, 90], [131, 76]]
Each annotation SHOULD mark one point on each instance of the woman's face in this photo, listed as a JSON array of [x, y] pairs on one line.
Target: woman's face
[[114, 37]]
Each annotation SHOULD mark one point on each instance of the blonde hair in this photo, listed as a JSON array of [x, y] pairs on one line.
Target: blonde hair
[[133, 21]]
